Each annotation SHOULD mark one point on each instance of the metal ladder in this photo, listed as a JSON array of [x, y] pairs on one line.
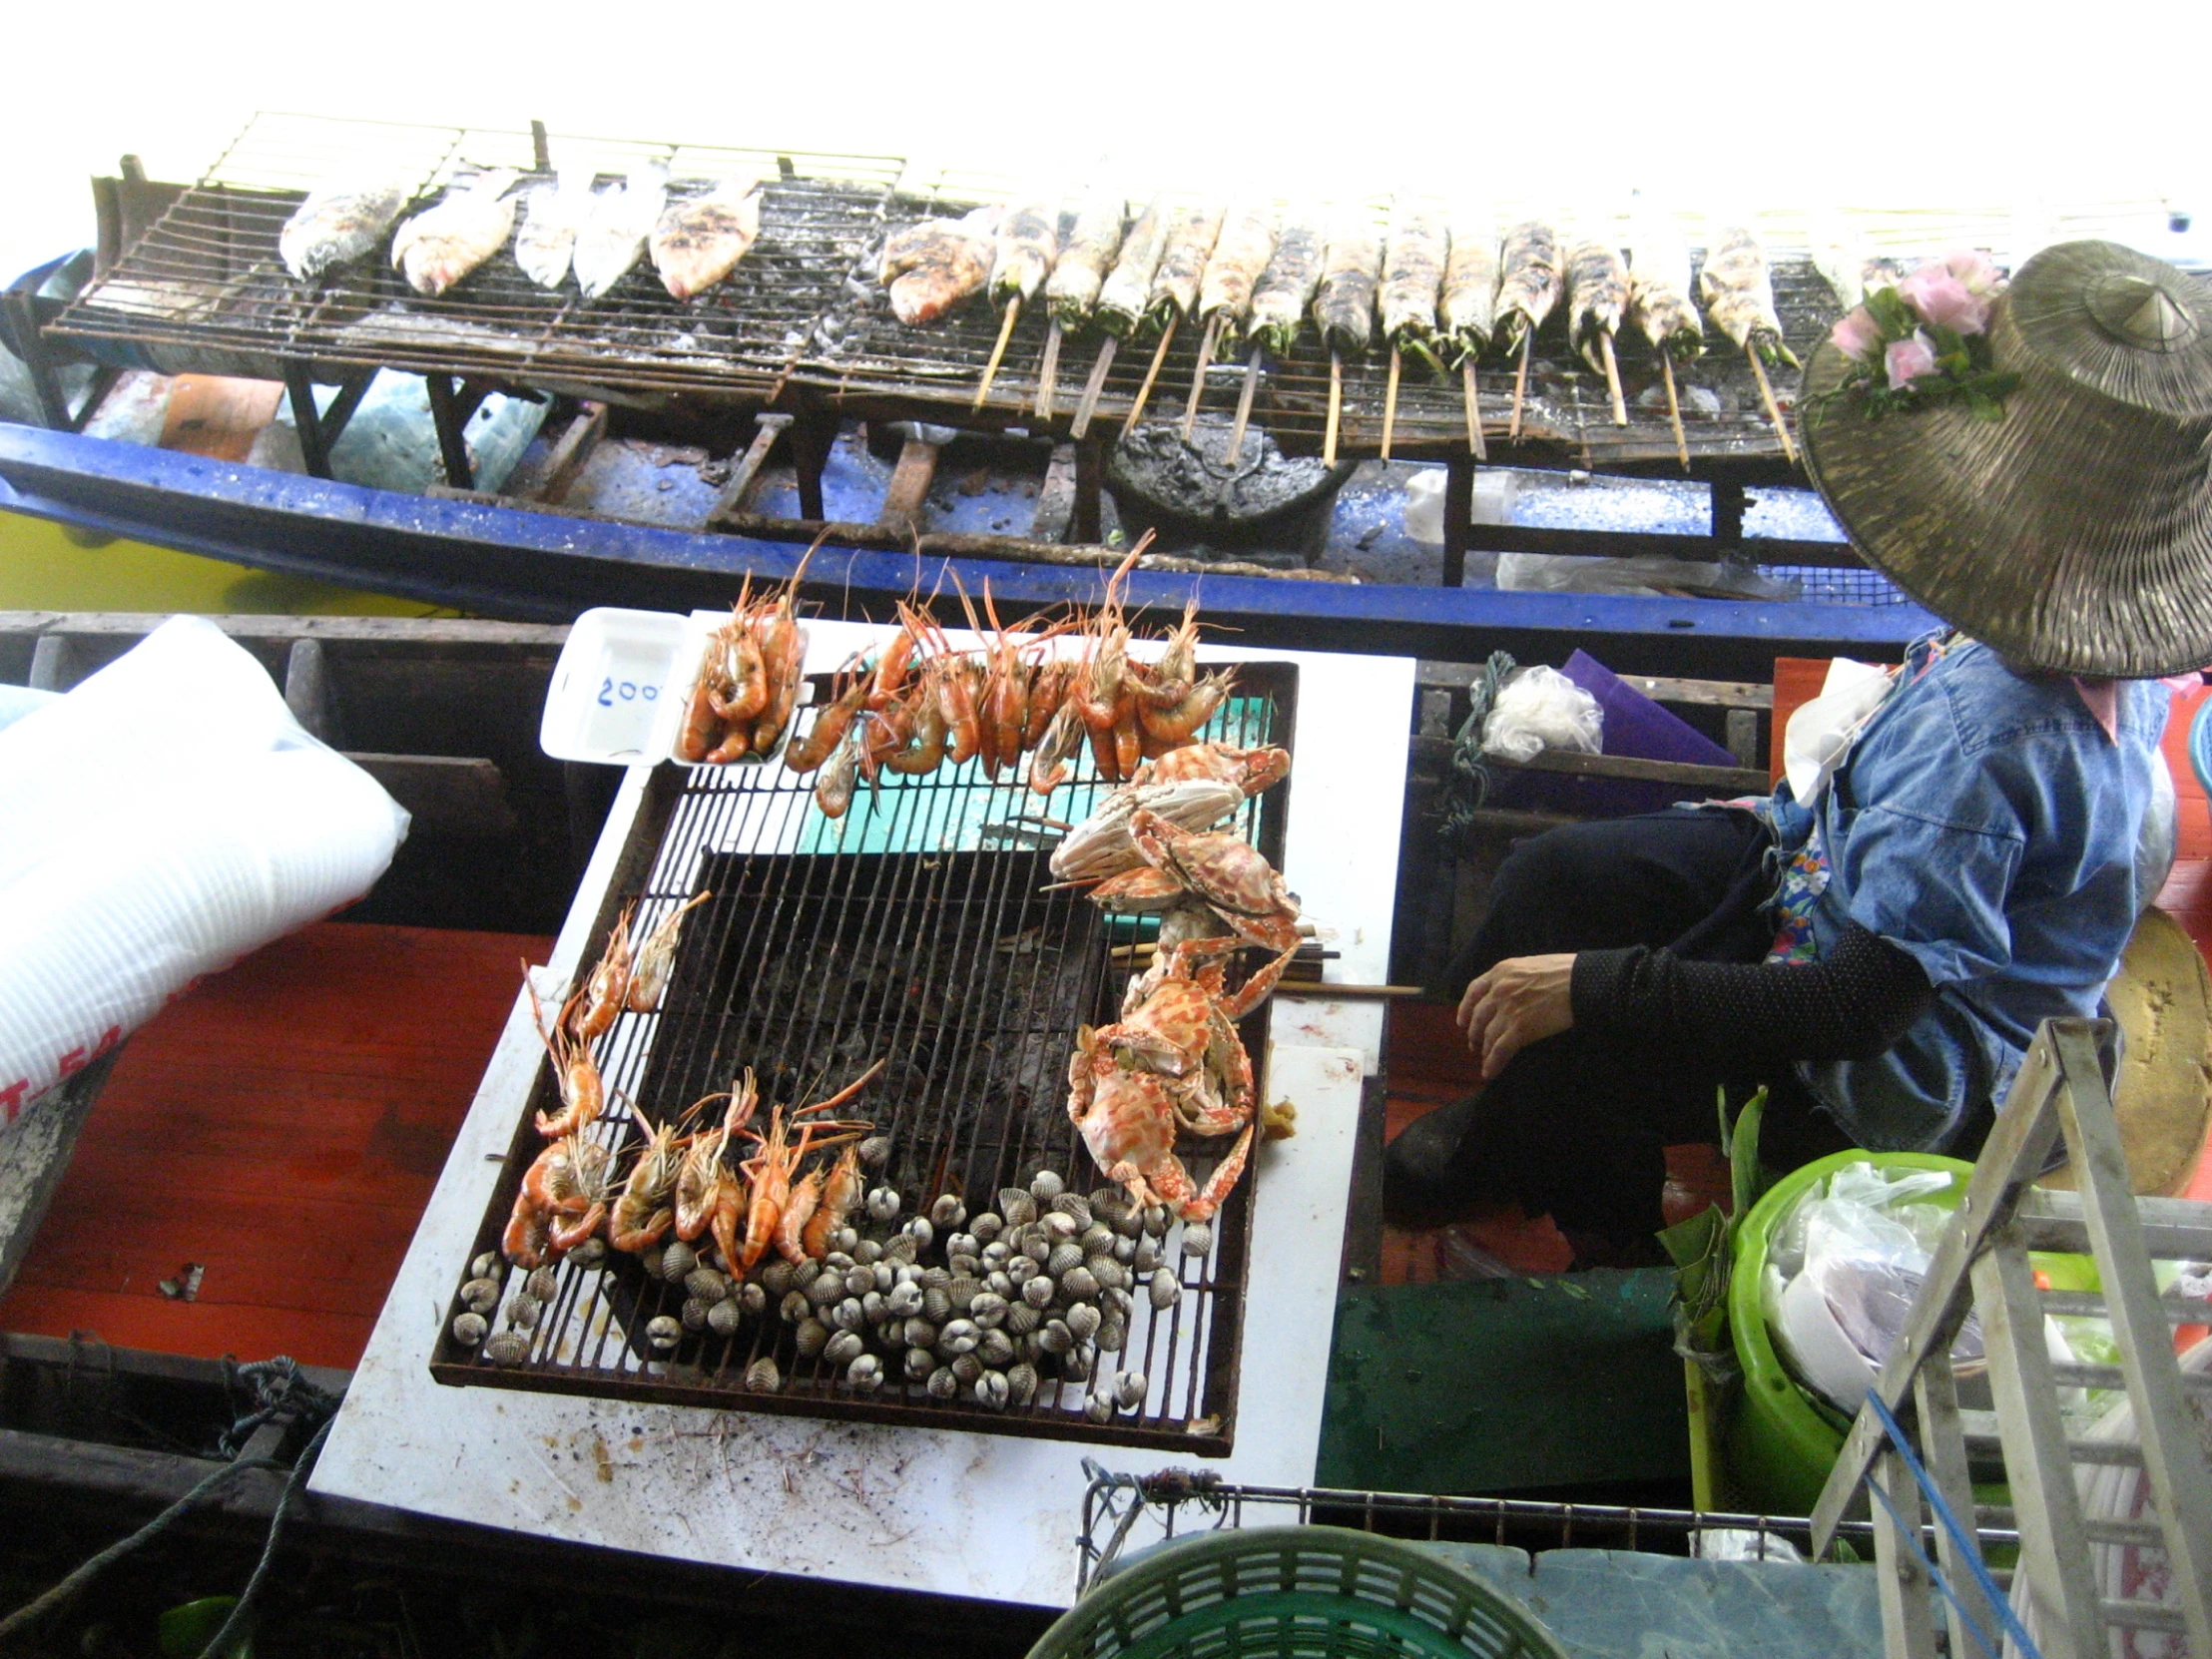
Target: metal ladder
[[1981, 1263]]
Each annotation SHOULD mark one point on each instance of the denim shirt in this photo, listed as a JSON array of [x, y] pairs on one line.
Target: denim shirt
[[1986, 825]]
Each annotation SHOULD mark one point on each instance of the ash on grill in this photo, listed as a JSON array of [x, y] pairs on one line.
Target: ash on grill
[[912, 932]]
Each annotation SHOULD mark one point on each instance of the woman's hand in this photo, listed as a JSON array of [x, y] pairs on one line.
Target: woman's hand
[[1521, 1000]]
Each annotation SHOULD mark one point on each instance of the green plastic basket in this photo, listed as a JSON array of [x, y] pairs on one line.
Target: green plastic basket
[[1300, 1592]]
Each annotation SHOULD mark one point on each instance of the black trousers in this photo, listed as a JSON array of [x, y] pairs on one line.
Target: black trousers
[[1575, 1125]]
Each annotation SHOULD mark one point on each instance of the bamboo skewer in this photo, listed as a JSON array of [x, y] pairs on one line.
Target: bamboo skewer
[[1243, 403], [1198, 378], [1144, 393], [1474, 409], [1674, 408], [1520, 382], [1087, 404], [990, 369], [1774, 411], [1048, 372], [1613, 377], [1336, 411], [1389, 403]]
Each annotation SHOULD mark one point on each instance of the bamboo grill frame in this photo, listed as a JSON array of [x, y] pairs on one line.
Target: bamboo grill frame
[[801, 316], [590, 1336]]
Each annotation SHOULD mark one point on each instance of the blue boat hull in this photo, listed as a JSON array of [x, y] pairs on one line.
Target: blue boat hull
[[508, 562]]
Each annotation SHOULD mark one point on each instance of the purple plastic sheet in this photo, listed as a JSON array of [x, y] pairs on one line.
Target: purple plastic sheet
[[1634, 726]]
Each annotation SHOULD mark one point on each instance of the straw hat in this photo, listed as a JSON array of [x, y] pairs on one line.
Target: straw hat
[[2075, 533]]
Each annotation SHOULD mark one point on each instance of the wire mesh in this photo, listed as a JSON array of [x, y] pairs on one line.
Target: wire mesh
[[917, 930]]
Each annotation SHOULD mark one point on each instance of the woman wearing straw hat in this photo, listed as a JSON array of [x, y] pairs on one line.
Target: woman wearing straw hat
[[1878, 947]]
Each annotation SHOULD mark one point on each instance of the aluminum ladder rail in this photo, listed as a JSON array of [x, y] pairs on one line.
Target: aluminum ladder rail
[[1982, 1263]]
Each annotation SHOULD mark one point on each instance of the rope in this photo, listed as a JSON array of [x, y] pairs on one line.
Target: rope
[[277, 1389], [1468, 784]]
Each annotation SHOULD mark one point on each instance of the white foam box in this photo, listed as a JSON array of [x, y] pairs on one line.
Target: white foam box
[[623, 682]]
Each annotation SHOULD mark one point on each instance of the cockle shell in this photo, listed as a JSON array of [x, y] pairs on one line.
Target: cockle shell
[[901, 1250], [997, 1349], [813, 1336], [1071, 1204], [843, 1347], [936, 1304], [589, 1253], [963, 1290], [1056, 1337], [874, 1308], [839, 1260], [761, 1376], [695, 1313], [1039, 1291], [958, 1336], [826, 1289], [480, 1295], [1064, 1256], [919, 1363], [1124, 1250], [650, 1261], [664, 1333], [920, 1333], [1082, 1321], [523, 1310], [1108, 1272], [921, 1230], [993, 1390], [542, 1284], [865, 1372], [1096, 1239], [1060, 1226], [845, 1239], [777, 1277], [986, 1227], [1018, 1205], [987, 1309], [848, 1315], [964, 1243], [1113, 1335], [860, 1280], [707, 1284], [1076, 1364], [1099, 1407], [942, 1383], [487, 1266], [882, 1204], [1164, 1288], [875, 1151], [947, 1211], [469, 1329], [1155, 1218], [1021, 1385], [1146, 1254], [1115, 1300], [723, 1317], [904, 1299], [867, 1252], [794, 1308], [1046, 1186], [1079, 1283], [511, 1347], [678, 1259], [1129, 1390], [966, 1367], [1198, 1239], [1021, 1317], [753, 1299]]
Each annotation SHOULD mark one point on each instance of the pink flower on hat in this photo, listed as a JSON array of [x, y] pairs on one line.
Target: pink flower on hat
[[1973, 269], [1908, 359], [1857, 335], [1942, 298]]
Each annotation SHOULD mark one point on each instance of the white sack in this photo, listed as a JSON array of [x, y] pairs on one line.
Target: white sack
[[160, 821], [1539, 709]]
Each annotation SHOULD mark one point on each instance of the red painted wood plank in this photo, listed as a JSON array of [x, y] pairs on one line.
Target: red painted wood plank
[[282, 1125]]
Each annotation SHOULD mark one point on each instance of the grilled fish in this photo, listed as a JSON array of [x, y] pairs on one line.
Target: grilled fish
[[1528, 281], [1028, 241], [613, 234], [337, 223], [1414, 260], [1287, 285], [696, 244], [1350, 265], [1659, 286], [551, 216], [1080, 272], [933, 265], [1122, 297], [470, 224], [1467, 303], [1739, 295], [1182, 261], [1232, 273], [1597, 293]]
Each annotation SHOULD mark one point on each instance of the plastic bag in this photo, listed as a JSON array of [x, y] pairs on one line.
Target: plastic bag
[[161, 820], [1539, 709], [1820, 733]]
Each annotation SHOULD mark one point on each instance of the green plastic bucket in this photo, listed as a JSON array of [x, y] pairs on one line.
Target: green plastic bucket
[[1315, 1592], [1780, 1445]]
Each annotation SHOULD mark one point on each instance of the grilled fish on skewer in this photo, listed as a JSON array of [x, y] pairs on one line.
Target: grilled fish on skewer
[[932, 267], [1080, 272], [1192, 239], [1343, 305], [1122, 297], [613, 235], [337, 222], [443, 244], [1467, 305], [1659, 286], [1026, 244], [1233, 268], [1739, 295], [1413, 262], [1290, 282], [1597, 293], [1528, 282], [696, 244], [552, 215]]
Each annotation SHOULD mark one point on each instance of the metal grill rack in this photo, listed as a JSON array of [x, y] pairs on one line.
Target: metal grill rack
[[2093, 1579], [911, 930], [205, 284]]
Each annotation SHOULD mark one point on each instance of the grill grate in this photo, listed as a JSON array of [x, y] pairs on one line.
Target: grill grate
[[913, 933], [206, 279]]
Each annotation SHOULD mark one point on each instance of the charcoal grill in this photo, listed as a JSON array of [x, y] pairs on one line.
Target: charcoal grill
[[913, 930]]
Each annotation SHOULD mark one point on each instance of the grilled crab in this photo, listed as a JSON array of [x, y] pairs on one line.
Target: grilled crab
[[1251, 770], [1227, 872], [1172, 1062]]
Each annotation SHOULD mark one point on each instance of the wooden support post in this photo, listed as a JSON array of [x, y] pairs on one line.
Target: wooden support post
[[52, 662], [451, 421], [35, 1144], [744, 471], [814, 434], [308, 690], [1743, 736], [1090, 478], [1458, 518], [910, 488], [572, 453], [1728, 517], [306, 419]]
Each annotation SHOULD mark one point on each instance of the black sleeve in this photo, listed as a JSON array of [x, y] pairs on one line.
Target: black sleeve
[[1855, 1005]]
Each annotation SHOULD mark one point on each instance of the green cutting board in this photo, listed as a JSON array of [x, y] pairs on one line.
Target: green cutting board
[[1505, 1385]]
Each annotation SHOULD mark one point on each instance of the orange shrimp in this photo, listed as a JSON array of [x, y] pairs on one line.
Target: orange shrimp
[[833, 789], [829, 729], [798, 1209], [702, 727], [1048, 767], [583, 1095], [771, 1168], [926, 752], [840, 1194], [656, 958], [642, 1215], [1175, 725], [609, 985]]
